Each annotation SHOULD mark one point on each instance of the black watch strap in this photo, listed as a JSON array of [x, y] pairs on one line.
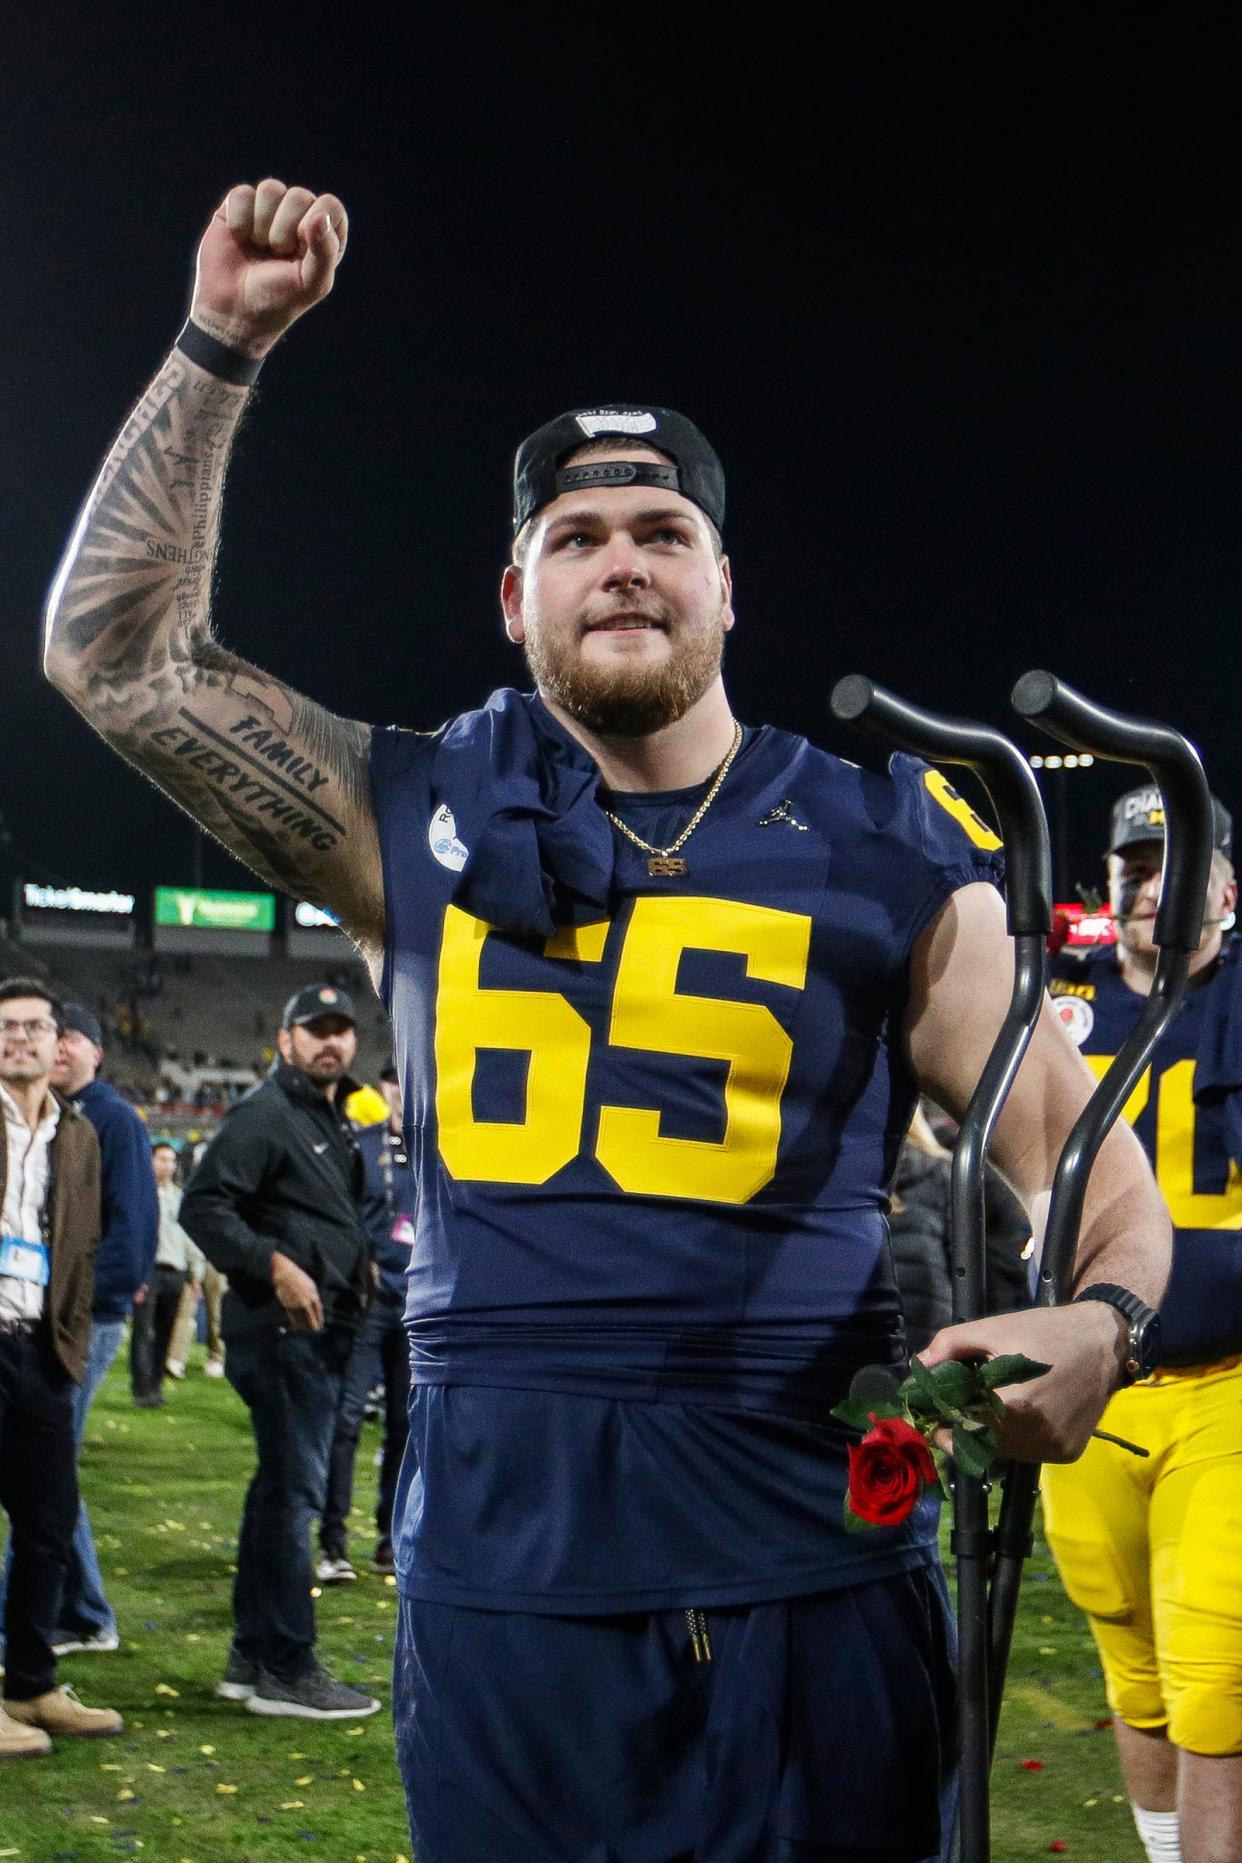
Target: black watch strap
[[1143, 1343]]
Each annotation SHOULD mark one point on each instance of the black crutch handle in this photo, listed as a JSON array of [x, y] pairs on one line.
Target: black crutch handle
[[1000, 767], [1006, 775], [1175, 766]]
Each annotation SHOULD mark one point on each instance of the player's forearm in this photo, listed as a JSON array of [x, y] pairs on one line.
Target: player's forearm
[[128, 617], [1125, 1235]]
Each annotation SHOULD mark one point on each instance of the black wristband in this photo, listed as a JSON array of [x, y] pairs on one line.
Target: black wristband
[[217, 358]]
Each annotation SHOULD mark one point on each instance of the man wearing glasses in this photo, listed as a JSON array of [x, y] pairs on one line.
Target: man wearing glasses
[[49, 1181]]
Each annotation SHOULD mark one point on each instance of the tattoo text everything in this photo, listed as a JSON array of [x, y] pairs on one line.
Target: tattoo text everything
[[279, 780]]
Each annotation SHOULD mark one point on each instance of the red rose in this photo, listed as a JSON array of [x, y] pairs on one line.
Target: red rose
[[889, 1469]]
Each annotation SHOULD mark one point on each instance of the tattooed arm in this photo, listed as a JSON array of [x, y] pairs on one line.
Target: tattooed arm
[[279, 780]]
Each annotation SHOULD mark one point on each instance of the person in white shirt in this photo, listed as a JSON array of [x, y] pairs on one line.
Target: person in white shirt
[[49, 1186]]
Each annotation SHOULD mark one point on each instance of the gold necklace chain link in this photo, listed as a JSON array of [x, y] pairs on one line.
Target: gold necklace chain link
[[663, 853]]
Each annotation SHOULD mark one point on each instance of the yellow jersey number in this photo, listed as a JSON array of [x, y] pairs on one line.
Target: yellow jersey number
[[648, 1013], [1175, 1147]]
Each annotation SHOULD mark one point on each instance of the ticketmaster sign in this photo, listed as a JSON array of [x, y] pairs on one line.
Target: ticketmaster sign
[[208, 910]]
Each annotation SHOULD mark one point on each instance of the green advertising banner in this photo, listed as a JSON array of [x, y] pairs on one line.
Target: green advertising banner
[[209, 910]]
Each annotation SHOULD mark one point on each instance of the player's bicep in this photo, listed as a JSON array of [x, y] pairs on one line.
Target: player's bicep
[[961, 979], [279, 780]]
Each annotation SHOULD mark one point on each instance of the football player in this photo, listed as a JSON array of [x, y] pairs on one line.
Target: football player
[[1151, 1549], [663, 987]]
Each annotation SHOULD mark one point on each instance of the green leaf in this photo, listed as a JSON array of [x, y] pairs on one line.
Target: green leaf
[[957, 1385], [973, 1451], [944, 1471], [1011, 1368], [853, 1524], [856, 1412], [919, 1389]]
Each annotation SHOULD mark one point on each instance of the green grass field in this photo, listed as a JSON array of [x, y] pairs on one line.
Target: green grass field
[[193, 1779]]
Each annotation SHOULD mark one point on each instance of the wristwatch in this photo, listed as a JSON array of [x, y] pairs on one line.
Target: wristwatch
[[1143, 1342]]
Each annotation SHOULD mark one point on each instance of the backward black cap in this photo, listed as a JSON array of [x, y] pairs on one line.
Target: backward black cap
[[539, 475]]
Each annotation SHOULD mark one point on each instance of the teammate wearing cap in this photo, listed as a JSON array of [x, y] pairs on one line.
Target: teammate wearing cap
[[1151, 1548], [274, 1206], [662, 989]]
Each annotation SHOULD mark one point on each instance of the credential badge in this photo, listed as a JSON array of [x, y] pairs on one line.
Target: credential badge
[[443, 842]]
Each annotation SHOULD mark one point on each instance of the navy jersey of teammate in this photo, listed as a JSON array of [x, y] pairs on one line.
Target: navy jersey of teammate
[[1185, 1111], [651, 1151]]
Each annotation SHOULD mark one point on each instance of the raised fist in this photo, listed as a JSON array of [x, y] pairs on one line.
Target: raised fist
[[269, 253]]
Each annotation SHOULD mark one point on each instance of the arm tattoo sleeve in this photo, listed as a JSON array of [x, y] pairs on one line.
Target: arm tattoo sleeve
[[280, 781]]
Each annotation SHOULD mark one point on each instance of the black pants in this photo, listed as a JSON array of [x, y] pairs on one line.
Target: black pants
[[154, 1319], [381, 1350], [39, 1493], [291, 1383]]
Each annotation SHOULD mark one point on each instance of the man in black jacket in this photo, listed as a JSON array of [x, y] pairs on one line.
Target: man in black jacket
[[274, 1206]]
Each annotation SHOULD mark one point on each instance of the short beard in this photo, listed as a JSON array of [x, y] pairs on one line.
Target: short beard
[[628, 701]]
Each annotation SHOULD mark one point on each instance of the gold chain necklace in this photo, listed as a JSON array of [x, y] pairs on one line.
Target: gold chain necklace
[[663, 862]]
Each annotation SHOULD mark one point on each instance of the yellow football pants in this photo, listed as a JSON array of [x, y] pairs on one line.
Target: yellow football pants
[[1151, 1550]]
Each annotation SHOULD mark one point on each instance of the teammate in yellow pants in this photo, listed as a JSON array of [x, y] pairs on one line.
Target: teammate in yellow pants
[[1151, 1549]]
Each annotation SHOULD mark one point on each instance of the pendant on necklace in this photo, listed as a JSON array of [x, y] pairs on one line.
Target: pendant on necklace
[[666, 866]]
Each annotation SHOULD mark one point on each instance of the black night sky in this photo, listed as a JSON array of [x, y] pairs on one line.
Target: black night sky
[[957, 303]]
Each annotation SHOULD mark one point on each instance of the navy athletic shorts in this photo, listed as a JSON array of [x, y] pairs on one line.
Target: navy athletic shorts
[[822, 1727]]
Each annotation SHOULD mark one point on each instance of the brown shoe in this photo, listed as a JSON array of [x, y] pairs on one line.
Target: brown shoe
[[18, 1742], [60, 1712]]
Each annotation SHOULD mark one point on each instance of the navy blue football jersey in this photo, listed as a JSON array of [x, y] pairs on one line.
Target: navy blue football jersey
[[652, 1120], [1179, 1110]]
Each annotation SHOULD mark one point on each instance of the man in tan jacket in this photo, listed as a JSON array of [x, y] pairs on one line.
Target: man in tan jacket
[[49, 1187]]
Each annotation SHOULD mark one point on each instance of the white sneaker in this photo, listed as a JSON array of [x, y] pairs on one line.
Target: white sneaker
[[175, 1368], [214, 1368], [334, 1571], [98, 1642]]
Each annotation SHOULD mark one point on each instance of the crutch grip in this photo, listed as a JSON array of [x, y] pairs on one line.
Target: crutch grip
[[1174, 764], [1000, 767]]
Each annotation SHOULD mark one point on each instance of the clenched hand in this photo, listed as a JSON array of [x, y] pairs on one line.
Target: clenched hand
[[269, 253]]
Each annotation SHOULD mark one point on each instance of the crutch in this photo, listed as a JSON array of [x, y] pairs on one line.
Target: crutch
[[1006, 776], [1175, 767]]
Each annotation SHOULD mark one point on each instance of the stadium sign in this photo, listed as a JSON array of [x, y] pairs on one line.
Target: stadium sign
[[205, 909], [75, 899]]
